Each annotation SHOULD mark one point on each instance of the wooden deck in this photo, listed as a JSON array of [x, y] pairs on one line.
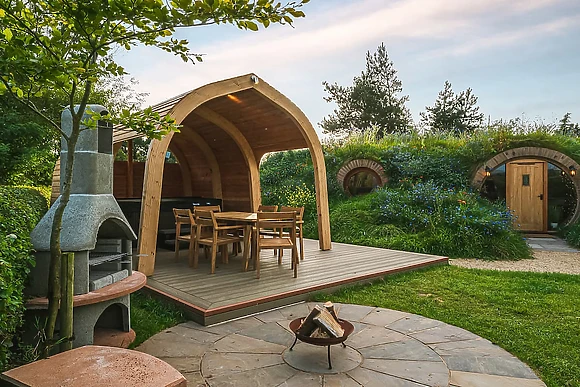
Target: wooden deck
[[231, 293]]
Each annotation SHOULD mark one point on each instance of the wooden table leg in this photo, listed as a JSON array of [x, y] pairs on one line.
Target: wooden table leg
[[247, 248]]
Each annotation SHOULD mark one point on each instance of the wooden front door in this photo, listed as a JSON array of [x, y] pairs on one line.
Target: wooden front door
[[526, 193]]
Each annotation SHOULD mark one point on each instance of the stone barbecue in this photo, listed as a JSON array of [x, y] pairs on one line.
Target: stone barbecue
[[96, 230]]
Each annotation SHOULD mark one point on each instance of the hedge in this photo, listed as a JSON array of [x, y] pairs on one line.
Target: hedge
[[20, 210]]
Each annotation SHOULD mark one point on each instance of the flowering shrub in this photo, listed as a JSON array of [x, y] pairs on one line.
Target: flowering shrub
[[449, 222], [427, 219], [20, 211]]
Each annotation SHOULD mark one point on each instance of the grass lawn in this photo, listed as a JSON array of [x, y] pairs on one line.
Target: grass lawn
[[150, 316], [534, 316]]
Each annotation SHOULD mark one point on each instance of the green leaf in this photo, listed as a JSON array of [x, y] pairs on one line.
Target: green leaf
[[7, 34], [2, 13], [252, 26], [19, 93]]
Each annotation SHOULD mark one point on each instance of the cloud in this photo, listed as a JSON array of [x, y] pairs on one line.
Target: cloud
[[330, 34], [508, 38]]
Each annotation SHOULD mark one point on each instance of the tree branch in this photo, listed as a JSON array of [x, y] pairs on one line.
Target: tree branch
[[33, 33], [29, 104]]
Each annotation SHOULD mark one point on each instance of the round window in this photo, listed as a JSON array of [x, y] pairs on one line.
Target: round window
[[361, 181]]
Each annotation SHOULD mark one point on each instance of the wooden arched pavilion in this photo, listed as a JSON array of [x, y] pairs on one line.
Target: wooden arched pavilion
[[227, 127]]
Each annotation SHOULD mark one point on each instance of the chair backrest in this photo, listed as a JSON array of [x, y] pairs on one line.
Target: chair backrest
[[215, 208], [276, 220], [263, 208], [183, 216], [298, 210], [205, 218]]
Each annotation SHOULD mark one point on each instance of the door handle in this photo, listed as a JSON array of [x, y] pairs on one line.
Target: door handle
[[541, 196]]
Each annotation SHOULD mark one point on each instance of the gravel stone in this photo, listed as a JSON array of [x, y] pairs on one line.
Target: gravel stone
[[543, 261]]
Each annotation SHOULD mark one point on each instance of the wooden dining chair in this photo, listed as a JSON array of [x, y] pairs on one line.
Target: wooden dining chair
[[215, 208], [183, 217], [217, 236], [264, 208], [299, 223], [272, 233], [276, 221]]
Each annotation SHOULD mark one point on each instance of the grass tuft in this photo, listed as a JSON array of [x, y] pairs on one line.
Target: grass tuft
[[150, 316]]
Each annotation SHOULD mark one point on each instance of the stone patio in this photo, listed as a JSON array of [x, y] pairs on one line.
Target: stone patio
[[387, 348]]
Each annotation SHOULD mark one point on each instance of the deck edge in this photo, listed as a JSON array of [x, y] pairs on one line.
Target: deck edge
[[203, 315]]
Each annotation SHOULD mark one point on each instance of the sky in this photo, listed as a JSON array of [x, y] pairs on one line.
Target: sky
[[520, 57]]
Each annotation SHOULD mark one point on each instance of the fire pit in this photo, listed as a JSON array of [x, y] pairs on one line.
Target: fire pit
[[321, 341]]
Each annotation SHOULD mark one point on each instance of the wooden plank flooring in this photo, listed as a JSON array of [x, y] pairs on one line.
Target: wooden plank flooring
[[232, 293]]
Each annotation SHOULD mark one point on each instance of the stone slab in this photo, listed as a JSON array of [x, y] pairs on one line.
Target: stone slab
[[339, 380], [408, 349], [303, 379], [502, 366], [369, 378], [434, 374], [374, 335], [239, 343], [413, 323], [384, 317], [271, 332], [469, 379], [261, 377], [217, 364], [443, 333], [314, 359], [225, 328]]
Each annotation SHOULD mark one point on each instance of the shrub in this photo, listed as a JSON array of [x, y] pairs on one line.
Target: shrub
[[427, 219], [572, 234], [20, 210]]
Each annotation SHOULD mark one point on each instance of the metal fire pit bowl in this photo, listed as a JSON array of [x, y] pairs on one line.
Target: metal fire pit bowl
[[323, 342]]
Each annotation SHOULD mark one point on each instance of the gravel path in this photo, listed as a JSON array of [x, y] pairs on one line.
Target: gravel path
[[543, 261]]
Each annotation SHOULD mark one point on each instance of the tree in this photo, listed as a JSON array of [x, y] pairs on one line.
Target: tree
[[373, 100], [65, 46], [27, 149], [28, 145], [453, 113], [567, 127]]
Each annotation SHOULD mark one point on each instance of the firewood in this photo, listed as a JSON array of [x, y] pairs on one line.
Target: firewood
[[330, 308], [325, 321], [308, 326], [319, 334]]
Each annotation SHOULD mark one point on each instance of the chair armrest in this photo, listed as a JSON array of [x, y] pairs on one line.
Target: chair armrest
[[238, 227]]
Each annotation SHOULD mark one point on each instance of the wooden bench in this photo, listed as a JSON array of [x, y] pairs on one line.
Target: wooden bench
[[96, 366]]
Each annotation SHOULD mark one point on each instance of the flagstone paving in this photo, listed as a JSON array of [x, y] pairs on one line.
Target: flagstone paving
[[387, 348]]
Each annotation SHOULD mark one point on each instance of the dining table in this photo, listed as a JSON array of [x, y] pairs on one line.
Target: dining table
[[248, 220]]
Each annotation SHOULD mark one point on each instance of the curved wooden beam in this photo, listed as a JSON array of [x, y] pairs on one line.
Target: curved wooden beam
[[154, 166], [151, 199], [307, 130], [244, 146]]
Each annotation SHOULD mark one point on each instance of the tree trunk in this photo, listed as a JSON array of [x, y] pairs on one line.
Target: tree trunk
[[66, 303], [54, 279]]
